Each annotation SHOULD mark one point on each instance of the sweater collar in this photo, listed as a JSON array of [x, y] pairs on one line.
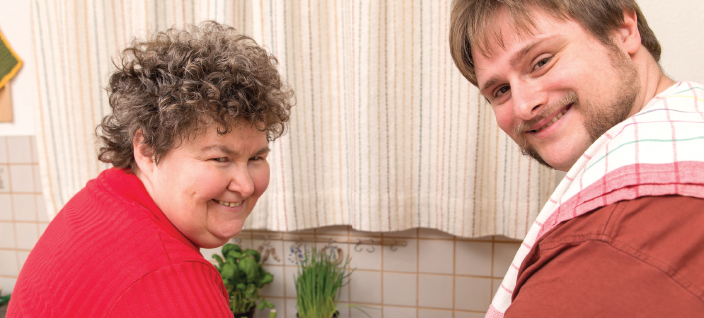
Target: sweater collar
[[126, 184]]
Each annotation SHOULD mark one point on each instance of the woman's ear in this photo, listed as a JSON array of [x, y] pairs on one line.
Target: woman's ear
[[142, 156], [628, 33]]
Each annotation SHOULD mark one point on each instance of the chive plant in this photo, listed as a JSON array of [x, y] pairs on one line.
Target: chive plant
[[319, 279]]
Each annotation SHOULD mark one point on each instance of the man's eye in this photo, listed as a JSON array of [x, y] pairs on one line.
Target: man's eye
[[501, 91], [541, 63], [220, 159], [256, 158]]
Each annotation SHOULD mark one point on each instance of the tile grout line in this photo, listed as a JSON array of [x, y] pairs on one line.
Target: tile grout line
[[12, 208], [34, 180]]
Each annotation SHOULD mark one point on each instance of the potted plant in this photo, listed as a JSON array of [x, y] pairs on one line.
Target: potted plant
[[320, 276], [243, 276]]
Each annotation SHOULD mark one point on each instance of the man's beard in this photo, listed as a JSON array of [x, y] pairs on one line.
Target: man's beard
[[597, 118]]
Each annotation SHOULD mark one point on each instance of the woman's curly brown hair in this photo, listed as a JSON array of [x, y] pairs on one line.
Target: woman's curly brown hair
[[176, 84]]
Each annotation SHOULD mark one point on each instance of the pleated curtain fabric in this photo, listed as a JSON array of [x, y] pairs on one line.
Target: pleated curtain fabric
[[386, 135]]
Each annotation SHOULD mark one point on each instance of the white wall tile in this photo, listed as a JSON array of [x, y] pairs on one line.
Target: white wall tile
[[290, 309], [41, 208], [7, 284], [433, 233], [467, 314], [208, 253], [290, 288], [19, 149], [24, 207], [22, 258], [3, 150], [434, 313], [276, 287], [435, 291], [22, 179], [362, 258], [5, 207], [403, 259], [8, 263], [400, 289], [405, 312], [35, 156], [473, 258], [503, 256], [289, 246], [495, 284], [37, 179], [5, 182], [436, 256], [370, 310], [279, 304], [365, 287], [278, 250], [42, 228], [472, 293], [27, 235], [7, 235]]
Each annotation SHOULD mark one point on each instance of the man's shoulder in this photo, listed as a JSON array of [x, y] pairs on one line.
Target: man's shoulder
[[634, 221], [640, 255]]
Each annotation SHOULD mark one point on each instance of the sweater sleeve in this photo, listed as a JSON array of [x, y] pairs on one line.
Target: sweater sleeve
[[188, 289]]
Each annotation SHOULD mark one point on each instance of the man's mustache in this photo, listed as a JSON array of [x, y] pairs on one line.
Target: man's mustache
[[569, 98]]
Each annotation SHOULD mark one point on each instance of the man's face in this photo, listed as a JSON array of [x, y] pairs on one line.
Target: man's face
[[557, 90]]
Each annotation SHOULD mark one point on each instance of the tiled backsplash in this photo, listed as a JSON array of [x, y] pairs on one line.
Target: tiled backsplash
[[22, 214], [434, 275]]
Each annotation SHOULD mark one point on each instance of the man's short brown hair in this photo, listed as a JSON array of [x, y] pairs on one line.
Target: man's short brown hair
[[178, 83], [470, 24]]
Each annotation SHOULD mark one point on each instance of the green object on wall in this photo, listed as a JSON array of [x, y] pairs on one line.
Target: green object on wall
[[10, 63]]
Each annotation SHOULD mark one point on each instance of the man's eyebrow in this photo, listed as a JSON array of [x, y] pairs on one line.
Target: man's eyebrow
[[517, 57]]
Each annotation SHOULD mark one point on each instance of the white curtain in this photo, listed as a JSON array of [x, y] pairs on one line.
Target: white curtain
[[386, 135]]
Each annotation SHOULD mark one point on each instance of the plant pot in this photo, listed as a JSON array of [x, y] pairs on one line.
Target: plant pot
[[335, 315], [249, 314]]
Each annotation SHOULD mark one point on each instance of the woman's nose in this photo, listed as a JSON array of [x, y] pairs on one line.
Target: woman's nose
[[241, 182]]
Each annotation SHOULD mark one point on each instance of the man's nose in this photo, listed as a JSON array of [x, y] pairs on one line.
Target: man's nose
[[528, 98], [241, 181]]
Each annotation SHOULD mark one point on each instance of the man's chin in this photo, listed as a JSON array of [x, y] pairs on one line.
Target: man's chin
[[532, 153]]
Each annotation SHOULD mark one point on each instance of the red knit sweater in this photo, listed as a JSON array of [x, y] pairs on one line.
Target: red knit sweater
[[111, 252]]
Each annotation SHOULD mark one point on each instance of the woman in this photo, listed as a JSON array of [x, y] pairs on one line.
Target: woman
[[193, 113]]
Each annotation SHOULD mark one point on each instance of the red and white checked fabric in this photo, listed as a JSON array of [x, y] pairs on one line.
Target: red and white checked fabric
[[658, 151]]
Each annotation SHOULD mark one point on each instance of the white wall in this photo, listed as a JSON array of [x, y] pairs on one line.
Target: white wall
[[678, 25], [16, 25]]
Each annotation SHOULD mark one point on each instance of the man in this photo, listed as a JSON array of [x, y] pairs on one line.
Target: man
[[577, 85]]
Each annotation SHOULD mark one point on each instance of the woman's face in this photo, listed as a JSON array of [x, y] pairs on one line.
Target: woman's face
[[208, 186]]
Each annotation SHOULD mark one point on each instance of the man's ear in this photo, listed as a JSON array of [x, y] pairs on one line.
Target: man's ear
[[628, 33], [142, 155]]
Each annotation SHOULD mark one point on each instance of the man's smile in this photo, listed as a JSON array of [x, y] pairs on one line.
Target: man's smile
[[549, 120]]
